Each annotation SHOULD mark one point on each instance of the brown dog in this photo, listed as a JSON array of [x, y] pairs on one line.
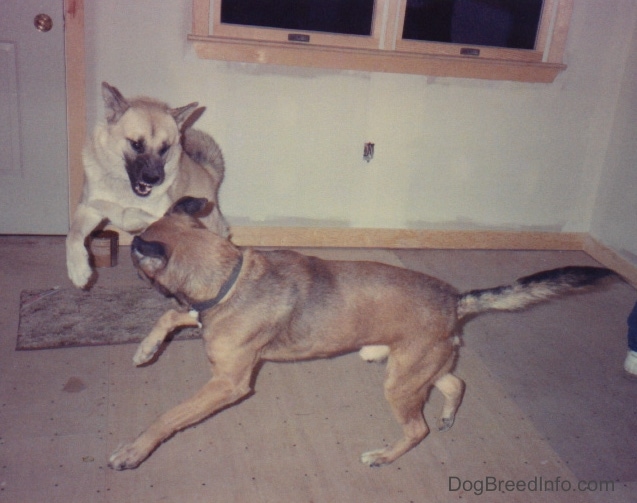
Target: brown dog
[[282, 306]]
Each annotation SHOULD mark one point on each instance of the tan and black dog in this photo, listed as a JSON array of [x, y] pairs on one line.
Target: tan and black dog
[[285, 306]]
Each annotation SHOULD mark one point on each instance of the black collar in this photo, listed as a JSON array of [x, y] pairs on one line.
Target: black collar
[[225, 288]]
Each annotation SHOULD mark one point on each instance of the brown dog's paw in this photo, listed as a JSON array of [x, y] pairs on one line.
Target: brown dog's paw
[[445, 423], [145, 352], [375, 458], [126, 457]]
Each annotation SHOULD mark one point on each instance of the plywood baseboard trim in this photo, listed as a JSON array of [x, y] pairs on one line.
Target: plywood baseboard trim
[[405, 238], [611, 259]]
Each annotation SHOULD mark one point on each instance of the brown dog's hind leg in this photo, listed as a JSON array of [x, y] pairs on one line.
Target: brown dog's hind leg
[[452, 388], [408, 382], [414, 429], [168, 322]]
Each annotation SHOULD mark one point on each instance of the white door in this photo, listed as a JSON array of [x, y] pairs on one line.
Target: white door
[[33, 145]]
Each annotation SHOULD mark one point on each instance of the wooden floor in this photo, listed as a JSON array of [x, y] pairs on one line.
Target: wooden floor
[[546, 407]]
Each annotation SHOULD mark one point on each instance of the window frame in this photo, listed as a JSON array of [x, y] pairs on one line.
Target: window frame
[[384, 50]]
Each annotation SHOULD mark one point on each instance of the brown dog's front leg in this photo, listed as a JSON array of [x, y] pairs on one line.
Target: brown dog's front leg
[[168, 322], [216, 394]]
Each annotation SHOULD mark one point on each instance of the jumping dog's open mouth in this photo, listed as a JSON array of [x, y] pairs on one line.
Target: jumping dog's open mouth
[[144, 173], [142, 189]]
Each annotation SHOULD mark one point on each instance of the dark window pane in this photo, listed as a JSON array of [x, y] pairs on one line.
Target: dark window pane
[[499, 23], [350, 17]]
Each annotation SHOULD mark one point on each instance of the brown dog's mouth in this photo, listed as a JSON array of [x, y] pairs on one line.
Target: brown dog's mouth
[[142, 189]]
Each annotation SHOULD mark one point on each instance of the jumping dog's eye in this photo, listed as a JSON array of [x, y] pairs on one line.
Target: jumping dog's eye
[[137, 145], [165, 148]]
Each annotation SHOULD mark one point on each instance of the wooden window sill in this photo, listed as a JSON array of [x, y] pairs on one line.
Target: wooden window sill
[[372, 60]]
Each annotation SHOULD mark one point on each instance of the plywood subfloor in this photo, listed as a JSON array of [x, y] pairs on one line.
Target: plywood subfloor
[[545, 398]]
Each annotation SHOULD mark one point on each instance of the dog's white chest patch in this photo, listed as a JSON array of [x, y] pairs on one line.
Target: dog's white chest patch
[[195, 315]]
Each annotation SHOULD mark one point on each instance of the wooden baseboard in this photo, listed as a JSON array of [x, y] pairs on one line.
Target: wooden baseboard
[[611, 259], [343, 237], [405, 238]]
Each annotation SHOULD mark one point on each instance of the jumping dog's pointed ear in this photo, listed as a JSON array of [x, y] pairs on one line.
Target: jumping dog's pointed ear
[[189, 121], [181, 114], [189, 205], [151, 255], [116, 105]]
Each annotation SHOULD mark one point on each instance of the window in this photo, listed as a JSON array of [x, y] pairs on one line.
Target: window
[[519, 40]]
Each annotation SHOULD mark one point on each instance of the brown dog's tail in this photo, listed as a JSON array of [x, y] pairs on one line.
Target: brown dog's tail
[[532, 289]]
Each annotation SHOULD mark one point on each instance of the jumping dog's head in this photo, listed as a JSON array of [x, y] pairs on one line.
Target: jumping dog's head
[[148, 134]]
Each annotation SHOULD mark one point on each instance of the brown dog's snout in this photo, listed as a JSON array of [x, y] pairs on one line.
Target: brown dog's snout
[[141, 248], [135, 245]]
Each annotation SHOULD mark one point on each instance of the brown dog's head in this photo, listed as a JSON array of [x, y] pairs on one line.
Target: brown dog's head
[[180, 256]]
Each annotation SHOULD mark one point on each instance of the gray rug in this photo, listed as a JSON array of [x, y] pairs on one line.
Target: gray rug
[[69, 317]]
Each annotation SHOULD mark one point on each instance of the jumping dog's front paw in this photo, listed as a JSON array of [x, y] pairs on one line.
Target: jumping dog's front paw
[[79, 269]]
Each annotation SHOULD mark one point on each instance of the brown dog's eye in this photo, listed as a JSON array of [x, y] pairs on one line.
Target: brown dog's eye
[[137, 145]]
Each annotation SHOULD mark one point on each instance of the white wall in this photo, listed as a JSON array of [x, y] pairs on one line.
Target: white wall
[[450, 153], [615, 216]]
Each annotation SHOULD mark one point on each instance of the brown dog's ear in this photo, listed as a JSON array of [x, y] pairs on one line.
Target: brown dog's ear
[[189, 205], [116, 105]]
